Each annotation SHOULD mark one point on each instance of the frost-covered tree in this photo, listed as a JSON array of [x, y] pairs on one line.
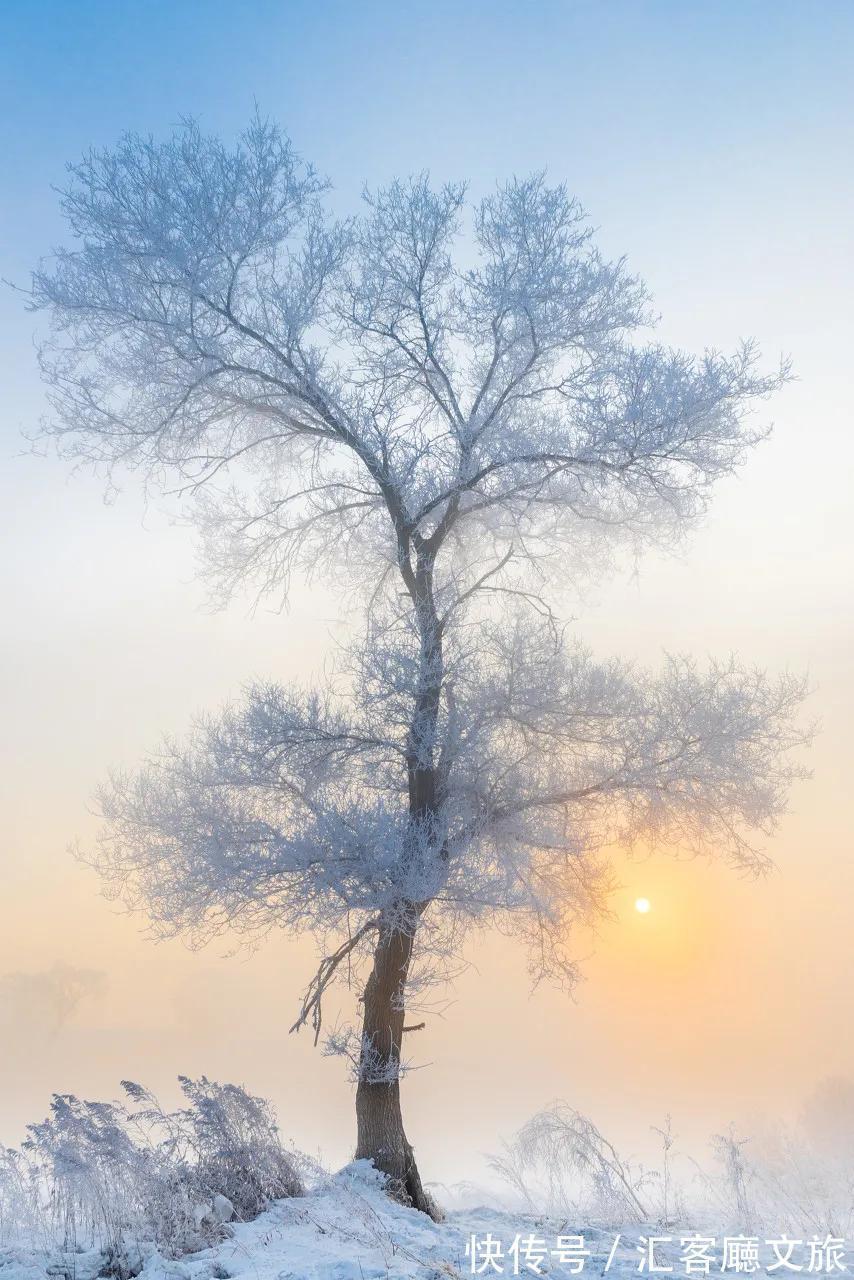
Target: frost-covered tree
[[440, 408]]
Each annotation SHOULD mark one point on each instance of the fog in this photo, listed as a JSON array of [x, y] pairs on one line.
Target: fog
[[732, 999]]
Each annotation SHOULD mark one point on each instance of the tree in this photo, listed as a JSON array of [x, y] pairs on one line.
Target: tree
[[449, 418]]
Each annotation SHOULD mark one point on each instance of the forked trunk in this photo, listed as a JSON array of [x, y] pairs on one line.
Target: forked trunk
[[381, 1135]]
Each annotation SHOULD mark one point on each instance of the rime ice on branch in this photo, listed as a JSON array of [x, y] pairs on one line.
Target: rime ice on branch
[[446, 408]]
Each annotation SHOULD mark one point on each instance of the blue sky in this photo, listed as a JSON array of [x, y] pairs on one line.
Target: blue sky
[[609, 92], [678, 124]]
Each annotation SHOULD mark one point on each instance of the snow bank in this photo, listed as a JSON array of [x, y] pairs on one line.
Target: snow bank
[[345, 1228]]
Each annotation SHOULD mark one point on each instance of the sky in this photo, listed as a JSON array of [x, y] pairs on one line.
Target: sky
[[712, 145]]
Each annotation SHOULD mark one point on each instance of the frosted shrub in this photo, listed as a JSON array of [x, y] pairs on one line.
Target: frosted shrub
[[126, 1177], [559, 1162], [736, 1178], [237, 1149], [89, 1171], [785, 1180], [19, 1198], [798, 1181]]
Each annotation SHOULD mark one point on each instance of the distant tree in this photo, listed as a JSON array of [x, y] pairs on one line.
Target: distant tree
[[440, 410]]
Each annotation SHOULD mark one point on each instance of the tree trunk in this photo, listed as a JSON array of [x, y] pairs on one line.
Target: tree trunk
[[379, 1121], [381, 1136]]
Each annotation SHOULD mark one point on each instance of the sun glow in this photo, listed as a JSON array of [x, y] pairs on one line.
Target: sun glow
[[642, 905]]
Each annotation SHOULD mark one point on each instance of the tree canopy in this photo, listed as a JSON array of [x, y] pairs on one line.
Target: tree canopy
[[455, 410]]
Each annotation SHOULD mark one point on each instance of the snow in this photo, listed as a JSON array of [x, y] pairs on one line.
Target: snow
[[346, 1228]]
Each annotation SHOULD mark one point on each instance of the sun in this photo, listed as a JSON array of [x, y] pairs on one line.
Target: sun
[[642, 905]]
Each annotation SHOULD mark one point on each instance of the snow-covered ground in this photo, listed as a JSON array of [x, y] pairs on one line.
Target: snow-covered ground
[[347, 1229]]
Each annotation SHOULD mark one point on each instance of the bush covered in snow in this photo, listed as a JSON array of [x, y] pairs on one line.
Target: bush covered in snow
[[782, 1178], [122, 1176]]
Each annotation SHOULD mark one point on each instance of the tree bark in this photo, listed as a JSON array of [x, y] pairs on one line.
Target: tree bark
[[381, 1135]]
